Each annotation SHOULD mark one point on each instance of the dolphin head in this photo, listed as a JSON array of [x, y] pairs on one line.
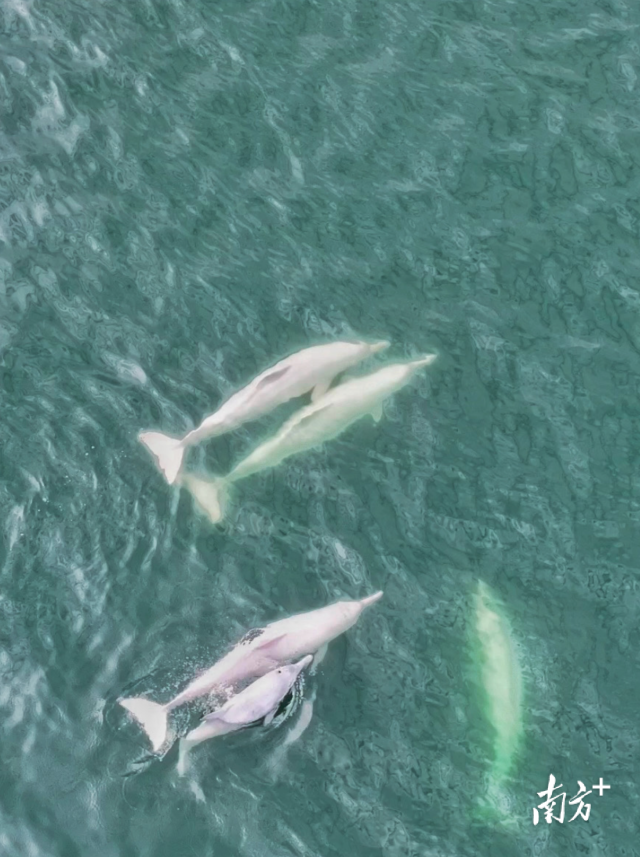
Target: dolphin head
[[350, 611], [370, 599], [422, 361], [374, 347], [290, 672], [304, 662], [285, 676]]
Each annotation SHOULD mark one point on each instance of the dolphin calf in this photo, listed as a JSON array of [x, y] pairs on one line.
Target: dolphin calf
[[310, 369], [318, 422], [502, 684], [256, 705], [258, 652]]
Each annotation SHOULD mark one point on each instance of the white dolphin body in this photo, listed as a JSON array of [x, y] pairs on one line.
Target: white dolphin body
[[258, 652], [502, 681], [258, 702], [310, 369], [318, 422]]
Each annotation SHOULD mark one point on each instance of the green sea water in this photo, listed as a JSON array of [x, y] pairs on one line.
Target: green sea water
[[190, 191]]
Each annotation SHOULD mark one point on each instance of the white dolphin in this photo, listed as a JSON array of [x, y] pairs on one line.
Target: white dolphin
[[256, 704], [310, 369], [502, 684], [258, 652], [308, 427]]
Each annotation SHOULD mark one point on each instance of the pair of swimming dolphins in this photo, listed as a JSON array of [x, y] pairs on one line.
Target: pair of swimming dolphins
[[263, 654], [331, 411]]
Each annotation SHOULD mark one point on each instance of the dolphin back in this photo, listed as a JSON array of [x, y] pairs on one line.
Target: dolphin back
[[501, 679]]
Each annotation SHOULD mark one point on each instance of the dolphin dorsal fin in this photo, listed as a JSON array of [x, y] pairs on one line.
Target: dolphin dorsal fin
[[250, 636], [267, 644], [267, 720]]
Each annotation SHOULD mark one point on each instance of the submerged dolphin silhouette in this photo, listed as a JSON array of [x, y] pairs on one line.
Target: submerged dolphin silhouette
[[502, 685]]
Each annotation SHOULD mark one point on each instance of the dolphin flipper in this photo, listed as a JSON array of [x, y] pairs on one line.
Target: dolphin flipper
[[306, 714], [318, 658]]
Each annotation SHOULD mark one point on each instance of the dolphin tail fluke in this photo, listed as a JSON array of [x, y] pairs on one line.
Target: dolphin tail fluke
[[210, 494], [168, 452], [151, 716]]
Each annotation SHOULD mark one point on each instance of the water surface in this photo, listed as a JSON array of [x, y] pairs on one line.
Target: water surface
[[190, 191]]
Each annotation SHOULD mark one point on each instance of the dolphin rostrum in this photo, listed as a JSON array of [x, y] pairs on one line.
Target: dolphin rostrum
[[256, 704], [258, 652], [310, 369], [318, 422]]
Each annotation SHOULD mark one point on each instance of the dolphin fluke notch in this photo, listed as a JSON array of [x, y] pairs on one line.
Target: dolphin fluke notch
[[167, 451], [151, 716]]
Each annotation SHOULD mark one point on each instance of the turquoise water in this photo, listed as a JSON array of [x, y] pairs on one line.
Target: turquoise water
[[190, 191]]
